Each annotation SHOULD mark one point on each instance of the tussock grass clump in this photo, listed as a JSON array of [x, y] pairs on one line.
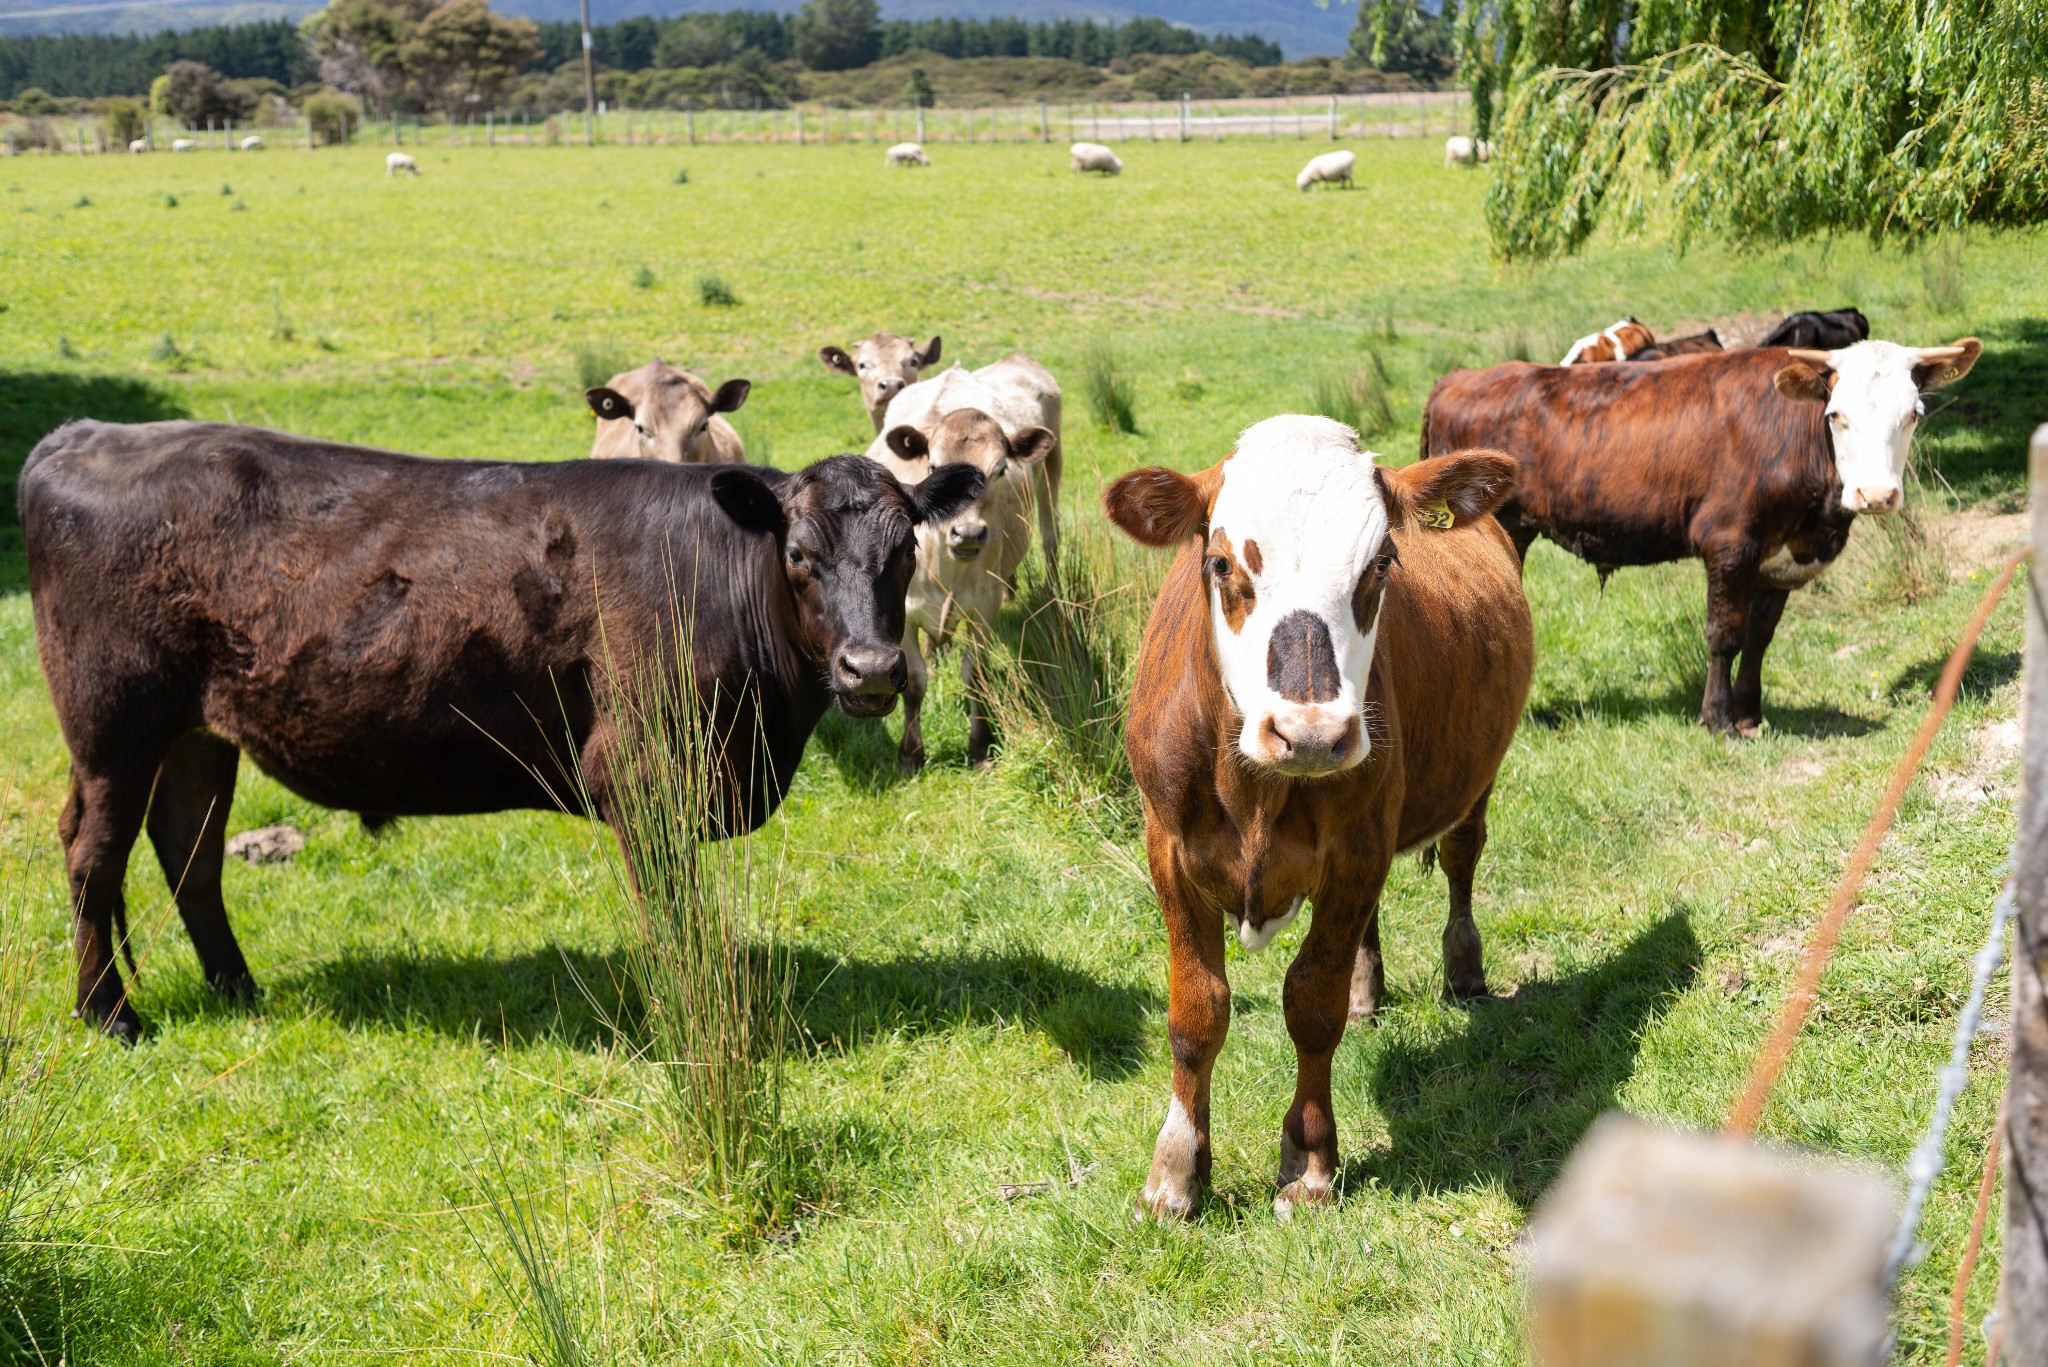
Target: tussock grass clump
[[682, 175], [1354, 395], [166, 350], [714, 293], [1908, 562], [561, 1320], [714, 985], [643, 279], [1941, 273], [1057, 680], [1111, 393], [597, 362]]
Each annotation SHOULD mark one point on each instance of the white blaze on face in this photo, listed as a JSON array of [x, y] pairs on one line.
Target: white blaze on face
[[1873, 408], [1298, 522]]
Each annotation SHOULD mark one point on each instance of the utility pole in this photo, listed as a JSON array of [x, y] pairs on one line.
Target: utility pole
[[589, 84]]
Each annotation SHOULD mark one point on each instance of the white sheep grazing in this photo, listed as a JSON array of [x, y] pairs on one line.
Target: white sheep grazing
[[906, 154], [183, 144], [394, 162], [1460, 151], [1093, 156], [1331, 168], [139, 145], [253, 143]]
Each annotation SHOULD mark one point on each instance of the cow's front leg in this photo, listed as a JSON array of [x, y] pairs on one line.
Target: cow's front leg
[[910, 754], [1317, 998], [1729, 576], [1765, 608], [980, 735], [1197, 1019], [1368, 971]]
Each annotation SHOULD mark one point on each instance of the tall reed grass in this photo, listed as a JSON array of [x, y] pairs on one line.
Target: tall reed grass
[[1356, 395], [713, 983], [1056, 676], [1111, 394]]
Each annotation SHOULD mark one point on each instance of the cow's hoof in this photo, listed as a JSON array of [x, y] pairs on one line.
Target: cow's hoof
[[240, 990], [1165, 1206], [909, 761], [1301, 1194], [1750, 730], [1465, 991], [116, 1022]]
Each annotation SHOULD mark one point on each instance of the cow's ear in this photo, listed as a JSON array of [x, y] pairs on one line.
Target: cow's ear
[[928, 354], [1032, 445], [836, 358], [907, 443], [1944, 365], [1159, 507], [731, 395], [1467, 484], [748, 500], [608, 403], [1802, 382], [947, 492]]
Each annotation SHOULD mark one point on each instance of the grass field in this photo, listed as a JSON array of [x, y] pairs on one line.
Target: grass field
[[981, 975]]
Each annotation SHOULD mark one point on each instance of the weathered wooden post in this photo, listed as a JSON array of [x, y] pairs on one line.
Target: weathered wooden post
[[1185, 96], [1660, 1249], [1333, 118], [920, 121], [2026, 1163], [1044, 125]]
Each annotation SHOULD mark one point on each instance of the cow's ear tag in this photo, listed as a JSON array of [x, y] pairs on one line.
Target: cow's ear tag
[[1437, 515]]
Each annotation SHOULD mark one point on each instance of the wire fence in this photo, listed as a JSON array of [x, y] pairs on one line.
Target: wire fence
[[1327, 118]]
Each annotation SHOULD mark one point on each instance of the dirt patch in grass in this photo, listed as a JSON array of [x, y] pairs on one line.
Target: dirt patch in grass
[[1976, 540]]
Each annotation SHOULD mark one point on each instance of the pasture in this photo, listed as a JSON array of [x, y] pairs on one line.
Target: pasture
[[980, 994]]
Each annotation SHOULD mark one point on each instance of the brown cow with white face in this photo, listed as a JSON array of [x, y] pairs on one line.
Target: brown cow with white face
[[885, 364], [661, 413], [1331, 675]]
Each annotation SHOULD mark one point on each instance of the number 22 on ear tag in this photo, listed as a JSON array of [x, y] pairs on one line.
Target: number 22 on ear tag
[[1437, 515]]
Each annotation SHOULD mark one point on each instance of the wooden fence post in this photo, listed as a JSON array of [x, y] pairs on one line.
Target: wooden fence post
[[1656, 1247], [1333, 118], [2026, 1163]]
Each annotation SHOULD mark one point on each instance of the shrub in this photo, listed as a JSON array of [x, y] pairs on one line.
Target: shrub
[[1112, 395], [333, 116], [713, 292], [1908, 562], [643, 278], [125, 122], [682, 175]]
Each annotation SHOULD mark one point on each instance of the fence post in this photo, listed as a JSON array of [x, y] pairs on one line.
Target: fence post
[[920, 121], [799, 126], [2026, 1164], [1044, 125], [1333, 118], [1184, 98], [690, 126]]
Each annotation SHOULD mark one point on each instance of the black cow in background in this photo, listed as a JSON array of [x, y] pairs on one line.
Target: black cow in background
[[1829, 331], [401, 636]]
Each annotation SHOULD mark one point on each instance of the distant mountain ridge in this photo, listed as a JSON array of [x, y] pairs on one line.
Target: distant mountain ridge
[[1297, 25]]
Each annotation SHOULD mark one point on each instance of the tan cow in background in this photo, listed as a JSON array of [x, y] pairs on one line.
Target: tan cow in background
[[661, 413], [1005, 420], [885, 364]]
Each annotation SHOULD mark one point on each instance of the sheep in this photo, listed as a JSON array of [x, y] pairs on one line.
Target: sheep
[[1330, 168], [906, 154], [184, 144], [394, 162], [1093, 156], [139, 145], [253, 143], [1460, 151]]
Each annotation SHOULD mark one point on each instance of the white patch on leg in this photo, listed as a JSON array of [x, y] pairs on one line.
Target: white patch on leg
[[1257, 937], [1171, 1187]]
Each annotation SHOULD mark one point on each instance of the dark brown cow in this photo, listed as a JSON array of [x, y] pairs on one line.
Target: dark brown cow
[[398, 636], [1331, 674], [1691, 345], [1755, 462], [1828, 330]]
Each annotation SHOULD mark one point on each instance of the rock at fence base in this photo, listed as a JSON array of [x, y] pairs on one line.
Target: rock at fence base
[[1687, 1250], [269, 845]]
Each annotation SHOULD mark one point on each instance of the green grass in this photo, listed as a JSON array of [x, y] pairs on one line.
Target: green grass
[[980, 978]]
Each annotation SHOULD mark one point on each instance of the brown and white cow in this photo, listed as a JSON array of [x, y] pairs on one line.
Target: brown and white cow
[[661, 413], [885, 364], [1615, 343], [1003, 419], [1332, 672], [1755, 462]]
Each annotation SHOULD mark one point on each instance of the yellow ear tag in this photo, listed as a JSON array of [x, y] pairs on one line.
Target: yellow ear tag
[[1437, 515]]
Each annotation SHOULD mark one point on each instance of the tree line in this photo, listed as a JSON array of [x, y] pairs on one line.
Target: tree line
[[827, 35]]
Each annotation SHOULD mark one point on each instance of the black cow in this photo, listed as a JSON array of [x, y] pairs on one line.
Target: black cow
[[1821, 331], [401, 636]]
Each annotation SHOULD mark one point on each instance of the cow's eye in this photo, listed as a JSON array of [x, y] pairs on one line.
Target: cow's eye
[[1838, 420], [1219, 566], [797, 559]]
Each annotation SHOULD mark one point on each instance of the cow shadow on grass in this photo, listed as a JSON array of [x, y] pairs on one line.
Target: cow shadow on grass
[[1980, 427], [863, 751], [1506, 1098], [585, 998], [1611, 705], [32, 404], [1987, 671]]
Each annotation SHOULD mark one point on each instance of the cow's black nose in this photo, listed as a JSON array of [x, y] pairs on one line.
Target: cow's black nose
[[871, 671]]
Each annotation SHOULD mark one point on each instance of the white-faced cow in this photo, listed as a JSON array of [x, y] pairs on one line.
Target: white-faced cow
[[398, 636], [661, 413], [885, 364], [1331, 675], [1756, 462], [1004, 420]]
